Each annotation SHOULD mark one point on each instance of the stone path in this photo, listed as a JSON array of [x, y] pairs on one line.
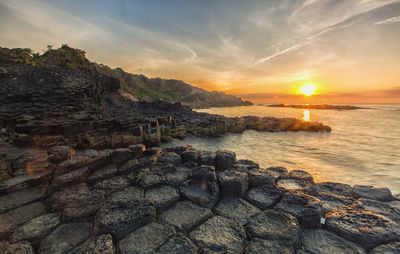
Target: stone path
[[181, 200]]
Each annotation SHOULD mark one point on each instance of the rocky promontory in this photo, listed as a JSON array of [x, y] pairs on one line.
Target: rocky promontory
[[182, 200], [61, 98], [316, 106]]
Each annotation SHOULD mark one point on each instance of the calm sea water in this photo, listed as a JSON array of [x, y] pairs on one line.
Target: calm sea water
[[363, 147]]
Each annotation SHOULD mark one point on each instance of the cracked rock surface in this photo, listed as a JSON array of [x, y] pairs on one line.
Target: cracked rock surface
[[181, 200]]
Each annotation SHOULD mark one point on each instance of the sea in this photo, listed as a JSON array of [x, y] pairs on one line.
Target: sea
[[363, 147]]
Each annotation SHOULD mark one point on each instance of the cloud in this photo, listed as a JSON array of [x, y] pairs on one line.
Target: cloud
[[388, 21]]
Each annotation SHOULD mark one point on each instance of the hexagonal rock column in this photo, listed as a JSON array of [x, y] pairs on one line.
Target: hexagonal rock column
[[185, 215], [206, 158], [233, 183], [262, 246], [370, 192], [162, 197], [35, 229], [305, 208], [96, 244], [390, 248], [200, 192], [264, 196], [121, 218], [323, 241], [22, 247], [145, 240], [236, 209], [219, 234], [224, 160], [364, 227], [65, 238], [170, 157], [178, 245], [275, 225]]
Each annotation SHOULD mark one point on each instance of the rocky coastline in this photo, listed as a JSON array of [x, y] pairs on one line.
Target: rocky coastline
[[316, 106], [182, 200]]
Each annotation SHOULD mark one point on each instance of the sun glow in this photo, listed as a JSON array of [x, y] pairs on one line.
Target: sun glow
[[308, 89]]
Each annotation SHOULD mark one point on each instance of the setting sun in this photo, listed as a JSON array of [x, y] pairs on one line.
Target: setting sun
[[308, 89]]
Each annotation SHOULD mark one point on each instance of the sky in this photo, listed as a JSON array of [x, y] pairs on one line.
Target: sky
[[260, 50]]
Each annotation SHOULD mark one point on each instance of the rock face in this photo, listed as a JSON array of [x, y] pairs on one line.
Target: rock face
[[174, 201]]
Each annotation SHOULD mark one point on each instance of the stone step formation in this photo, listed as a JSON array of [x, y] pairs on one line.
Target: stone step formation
[[182, 200], [47, 104]]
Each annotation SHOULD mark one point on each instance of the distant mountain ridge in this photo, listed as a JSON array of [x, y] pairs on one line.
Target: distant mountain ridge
[[133, 86]]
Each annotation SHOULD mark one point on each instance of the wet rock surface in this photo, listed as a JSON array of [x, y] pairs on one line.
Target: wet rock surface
[[137, 203]]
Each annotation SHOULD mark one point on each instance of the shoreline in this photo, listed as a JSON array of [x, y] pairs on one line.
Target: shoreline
[[155, 199]]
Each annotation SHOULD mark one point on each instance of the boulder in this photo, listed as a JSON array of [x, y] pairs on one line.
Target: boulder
[[96, 244], [35, 229], [260, 177], [370, 192], [65, 238], [219, 235], [275, 225], [325, 242], [233, 183], [112, 184], [20, 215], [206, 158], [264, 196], [162, 197], [22, 247], [203, 193], [170, 157], [185, 215], [363, 227], [237, 210], [22, 197], [305, 208], [262, 246], [121, 218], [390, 248], [178, 245], [145, 240], [224, 160], [278, 172]]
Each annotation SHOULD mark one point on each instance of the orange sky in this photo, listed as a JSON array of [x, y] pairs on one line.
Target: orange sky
[[260, 50]]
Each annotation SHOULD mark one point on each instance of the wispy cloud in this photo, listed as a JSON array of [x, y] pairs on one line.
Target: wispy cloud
[[389, 21]]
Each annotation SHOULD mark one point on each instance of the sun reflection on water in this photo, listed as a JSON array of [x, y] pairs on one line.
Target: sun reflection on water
[[306, 115]]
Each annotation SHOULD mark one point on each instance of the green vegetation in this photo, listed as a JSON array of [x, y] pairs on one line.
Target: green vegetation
[[137, 86]]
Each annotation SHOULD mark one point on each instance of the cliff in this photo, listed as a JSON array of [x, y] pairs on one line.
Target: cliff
[[62, 98], [136, 87]]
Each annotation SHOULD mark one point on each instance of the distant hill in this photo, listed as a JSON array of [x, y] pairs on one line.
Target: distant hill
[[133, 86]]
